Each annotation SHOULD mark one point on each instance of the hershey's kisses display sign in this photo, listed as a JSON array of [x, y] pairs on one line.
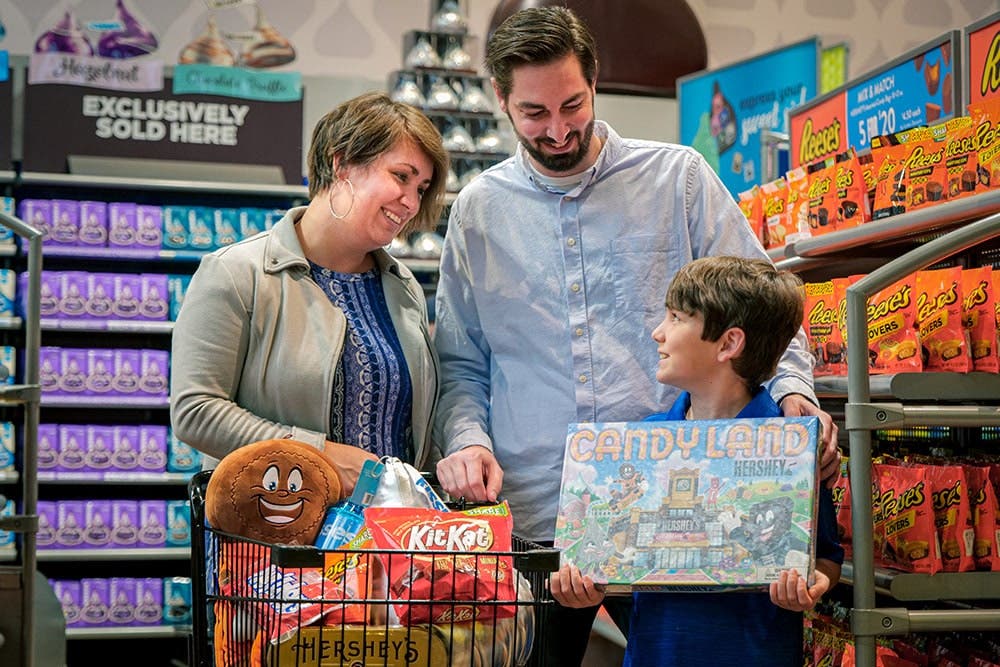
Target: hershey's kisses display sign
[[80, 120]]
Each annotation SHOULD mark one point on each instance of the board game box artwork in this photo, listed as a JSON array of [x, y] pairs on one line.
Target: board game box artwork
[[689, 504]]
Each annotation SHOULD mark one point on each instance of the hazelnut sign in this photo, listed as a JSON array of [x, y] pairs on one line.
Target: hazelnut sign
[[919, 88]]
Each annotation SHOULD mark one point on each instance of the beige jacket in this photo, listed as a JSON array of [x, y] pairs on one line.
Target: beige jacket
[[257, 342]]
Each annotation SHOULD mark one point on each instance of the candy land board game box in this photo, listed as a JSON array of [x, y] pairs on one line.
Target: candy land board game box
[[689, 505]]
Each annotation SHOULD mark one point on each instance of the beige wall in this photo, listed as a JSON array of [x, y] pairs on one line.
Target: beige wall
[[348, 46]]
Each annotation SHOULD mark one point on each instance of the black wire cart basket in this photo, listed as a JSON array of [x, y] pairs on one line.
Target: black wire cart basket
[[263, 605]]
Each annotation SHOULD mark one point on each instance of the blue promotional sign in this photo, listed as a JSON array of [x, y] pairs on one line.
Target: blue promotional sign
[[918, 89], [722, 112], [4, 64], [237, 82]]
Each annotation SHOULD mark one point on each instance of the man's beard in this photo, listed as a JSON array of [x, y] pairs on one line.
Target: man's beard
[[563, 162]]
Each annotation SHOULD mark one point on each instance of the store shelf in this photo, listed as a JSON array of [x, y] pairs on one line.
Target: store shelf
[[125, 254], [155, 255], [910, 587], [919, 386], [103, 402], [801, 255], [11, 322], [111, 554], [136, 632], [164, 185], [8, 249], [18, 393], [124, 478], [118, 326], [9, 477]]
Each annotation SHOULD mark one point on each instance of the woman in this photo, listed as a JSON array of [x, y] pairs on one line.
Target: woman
[[311, 330]]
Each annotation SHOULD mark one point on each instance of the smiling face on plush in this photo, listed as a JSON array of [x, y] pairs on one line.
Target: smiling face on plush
[[274, 491]]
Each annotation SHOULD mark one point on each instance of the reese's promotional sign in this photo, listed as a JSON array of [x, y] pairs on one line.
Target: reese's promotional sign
[[78, 120], [984, 59]]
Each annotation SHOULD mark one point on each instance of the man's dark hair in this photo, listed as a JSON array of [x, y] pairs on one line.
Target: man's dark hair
[[539, 36]]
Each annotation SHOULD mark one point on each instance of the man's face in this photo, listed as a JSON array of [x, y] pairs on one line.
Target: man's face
[[551, 108]]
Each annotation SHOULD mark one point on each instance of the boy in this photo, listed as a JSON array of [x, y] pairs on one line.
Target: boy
[[728, 321]]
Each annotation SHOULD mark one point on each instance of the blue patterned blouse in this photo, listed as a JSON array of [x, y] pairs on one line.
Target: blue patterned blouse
[[372, 393]]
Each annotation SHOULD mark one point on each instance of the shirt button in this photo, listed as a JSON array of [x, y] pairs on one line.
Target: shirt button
[[583, 379], [579, 331], [575, 287], [571, 242]]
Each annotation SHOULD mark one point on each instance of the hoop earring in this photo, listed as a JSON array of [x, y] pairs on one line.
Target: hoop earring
[[329, 199]]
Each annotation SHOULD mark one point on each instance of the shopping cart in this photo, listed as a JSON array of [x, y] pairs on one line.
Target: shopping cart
[[257, 604]]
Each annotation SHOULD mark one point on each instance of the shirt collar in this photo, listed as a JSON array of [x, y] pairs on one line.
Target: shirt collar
[[610, 150], [283, 250], [761, 405]]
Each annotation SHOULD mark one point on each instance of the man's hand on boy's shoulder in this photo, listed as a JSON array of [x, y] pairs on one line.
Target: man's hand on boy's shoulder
[[797, 405]]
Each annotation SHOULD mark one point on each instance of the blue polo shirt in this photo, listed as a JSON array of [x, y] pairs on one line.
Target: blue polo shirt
[[712, 629]]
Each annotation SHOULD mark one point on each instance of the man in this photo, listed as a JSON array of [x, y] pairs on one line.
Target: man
[[552, 278]]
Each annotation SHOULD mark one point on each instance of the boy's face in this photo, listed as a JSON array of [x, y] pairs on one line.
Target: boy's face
[[684, 356]]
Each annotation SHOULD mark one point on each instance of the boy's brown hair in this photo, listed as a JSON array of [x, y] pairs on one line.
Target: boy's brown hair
[[750, 294]]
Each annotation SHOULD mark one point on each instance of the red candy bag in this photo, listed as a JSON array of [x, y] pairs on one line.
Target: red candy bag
[[458, 558]]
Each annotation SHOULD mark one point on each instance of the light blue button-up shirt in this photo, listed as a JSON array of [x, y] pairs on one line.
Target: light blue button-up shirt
[[546, 304]]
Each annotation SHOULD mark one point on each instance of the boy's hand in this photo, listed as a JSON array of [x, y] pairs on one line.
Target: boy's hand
[[797, 405], [791, 592], [471, 473], [572, 589]]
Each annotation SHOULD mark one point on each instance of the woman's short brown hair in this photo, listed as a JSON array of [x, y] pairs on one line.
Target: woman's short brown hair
[[361, 130]]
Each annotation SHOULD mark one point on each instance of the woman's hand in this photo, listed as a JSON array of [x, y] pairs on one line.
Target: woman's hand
[[348, 461]]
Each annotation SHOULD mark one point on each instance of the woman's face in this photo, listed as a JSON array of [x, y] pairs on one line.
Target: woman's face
[[387, 193]]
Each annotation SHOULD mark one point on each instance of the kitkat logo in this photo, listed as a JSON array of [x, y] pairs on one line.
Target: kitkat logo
[[991, 68], [450, 535]]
